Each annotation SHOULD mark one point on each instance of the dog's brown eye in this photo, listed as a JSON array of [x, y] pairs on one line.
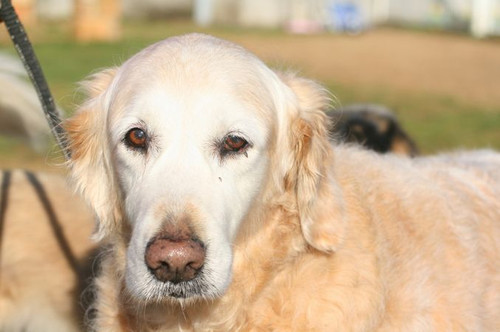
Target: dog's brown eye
[[233, 143], [136, 138]]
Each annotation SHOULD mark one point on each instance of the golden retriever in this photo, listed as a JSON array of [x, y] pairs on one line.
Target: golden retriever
[[45, 253], [226, 207]]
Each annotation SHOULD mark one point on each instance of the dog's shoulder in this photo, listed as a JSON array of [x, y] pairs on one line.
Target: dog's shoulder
[[478, 161], [440, 177], [363, 164], [361, 161]]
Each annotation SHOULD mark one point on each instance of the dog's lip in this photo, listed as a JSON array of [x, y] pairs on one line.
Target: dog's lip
[[190, 289], [178, 281], [178, 295]]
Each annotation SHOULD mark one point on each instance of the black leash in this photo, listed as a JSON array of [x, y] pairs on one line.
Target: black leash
[[54, 222], [55, 225], [4, 193], [25, 51]]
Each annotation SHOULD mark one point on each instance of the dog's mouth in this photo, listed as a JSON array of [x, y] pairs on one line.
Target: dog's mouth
[[165, 273], [176, 266], [148, 289], [195, 288]]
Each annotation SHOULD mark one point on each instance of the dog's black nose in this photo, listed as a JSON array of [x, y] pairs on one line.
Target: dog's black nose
[[175, 258]]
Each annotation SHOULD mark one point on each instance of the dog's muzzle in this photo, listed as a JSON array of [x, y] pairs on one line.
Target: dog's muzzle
[[175, 255]]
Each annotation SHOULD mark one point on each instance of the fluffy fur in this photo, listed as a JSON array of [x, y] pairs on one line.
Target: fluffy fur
[[300, 234], [39, 291]]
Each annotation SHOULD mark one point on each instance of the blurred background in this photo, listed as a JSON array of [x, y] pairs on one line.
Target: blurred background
[[434, 63]]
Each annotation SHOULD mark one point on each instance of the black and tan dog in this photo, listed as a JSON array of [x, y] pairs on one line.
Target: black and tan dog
[[373, 126]]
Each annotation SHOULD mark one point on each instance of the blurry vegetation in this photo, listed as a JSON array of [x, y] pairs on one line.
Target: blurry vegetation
[[435, 122]]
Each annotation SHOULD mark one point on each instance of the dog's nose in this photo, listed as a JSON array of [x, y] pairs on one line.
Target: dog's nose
[[175, 259]]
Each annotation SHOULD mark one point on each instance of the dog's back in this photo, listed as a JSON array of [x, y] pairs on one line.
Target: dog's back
[[437, 225]]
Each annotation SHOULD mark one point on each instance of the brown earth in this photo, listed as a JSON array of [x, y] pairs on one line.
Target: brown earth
[[410, 61]]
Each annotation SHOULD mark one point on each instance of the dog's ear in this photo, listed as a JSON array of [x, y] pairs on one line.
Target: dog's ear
[[318, 195], [90, 162]]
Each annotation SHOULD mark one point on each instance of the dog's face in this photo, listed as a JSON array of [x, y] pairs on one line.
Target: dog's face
[[177, 144], [190, 153]]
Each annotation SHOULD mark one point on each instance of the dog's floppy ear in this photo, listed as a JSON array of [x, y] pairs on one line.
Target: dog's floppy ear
[[90, 162], [318, 196]]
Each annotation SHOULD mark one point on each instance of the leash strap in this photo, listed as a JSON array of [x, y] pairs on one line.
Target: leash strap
[[4, 200], [30, 62], [54, 222], [49, 210]]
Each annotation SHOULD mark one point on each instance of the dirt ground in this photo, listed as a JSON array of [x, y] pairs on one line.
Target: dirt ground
[[410, 61]]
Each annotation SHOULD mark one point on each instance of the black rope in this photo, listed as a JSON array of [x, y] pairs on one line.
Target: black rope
[[4, 192], [30, 61], [54, 222]]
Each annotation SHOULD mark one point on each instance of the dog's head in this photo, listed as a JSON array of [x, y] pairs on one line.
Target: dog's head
[[176, 146]]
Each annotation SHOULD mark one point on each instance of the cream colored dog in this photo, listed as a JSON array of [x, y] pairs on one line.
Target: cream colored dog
[[226, 207]]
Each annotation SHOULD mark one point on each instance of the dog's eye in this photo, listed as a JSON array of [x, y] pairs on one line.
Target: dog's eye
[[136, 138], [233, 143]]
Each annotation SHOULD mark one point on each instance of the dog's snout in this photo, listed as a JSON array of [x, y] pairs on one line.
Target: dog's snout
[[175, 259]]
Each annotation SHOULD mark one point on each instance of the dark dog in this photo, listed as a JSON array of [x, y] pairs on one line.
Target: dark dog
[[373, 126]]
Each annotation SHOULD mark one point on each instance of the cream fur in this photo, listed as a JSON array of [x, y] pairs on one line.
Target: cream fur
[[38, 289], [323, 237]]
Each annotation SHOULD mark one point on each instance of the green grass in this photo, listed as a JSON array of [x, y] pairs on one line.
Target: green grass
[[435, 122]]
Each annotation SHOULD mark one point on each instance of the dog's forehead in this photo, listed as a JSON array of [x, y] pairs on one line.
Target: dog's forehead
[[194, 58], [194, 68]]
